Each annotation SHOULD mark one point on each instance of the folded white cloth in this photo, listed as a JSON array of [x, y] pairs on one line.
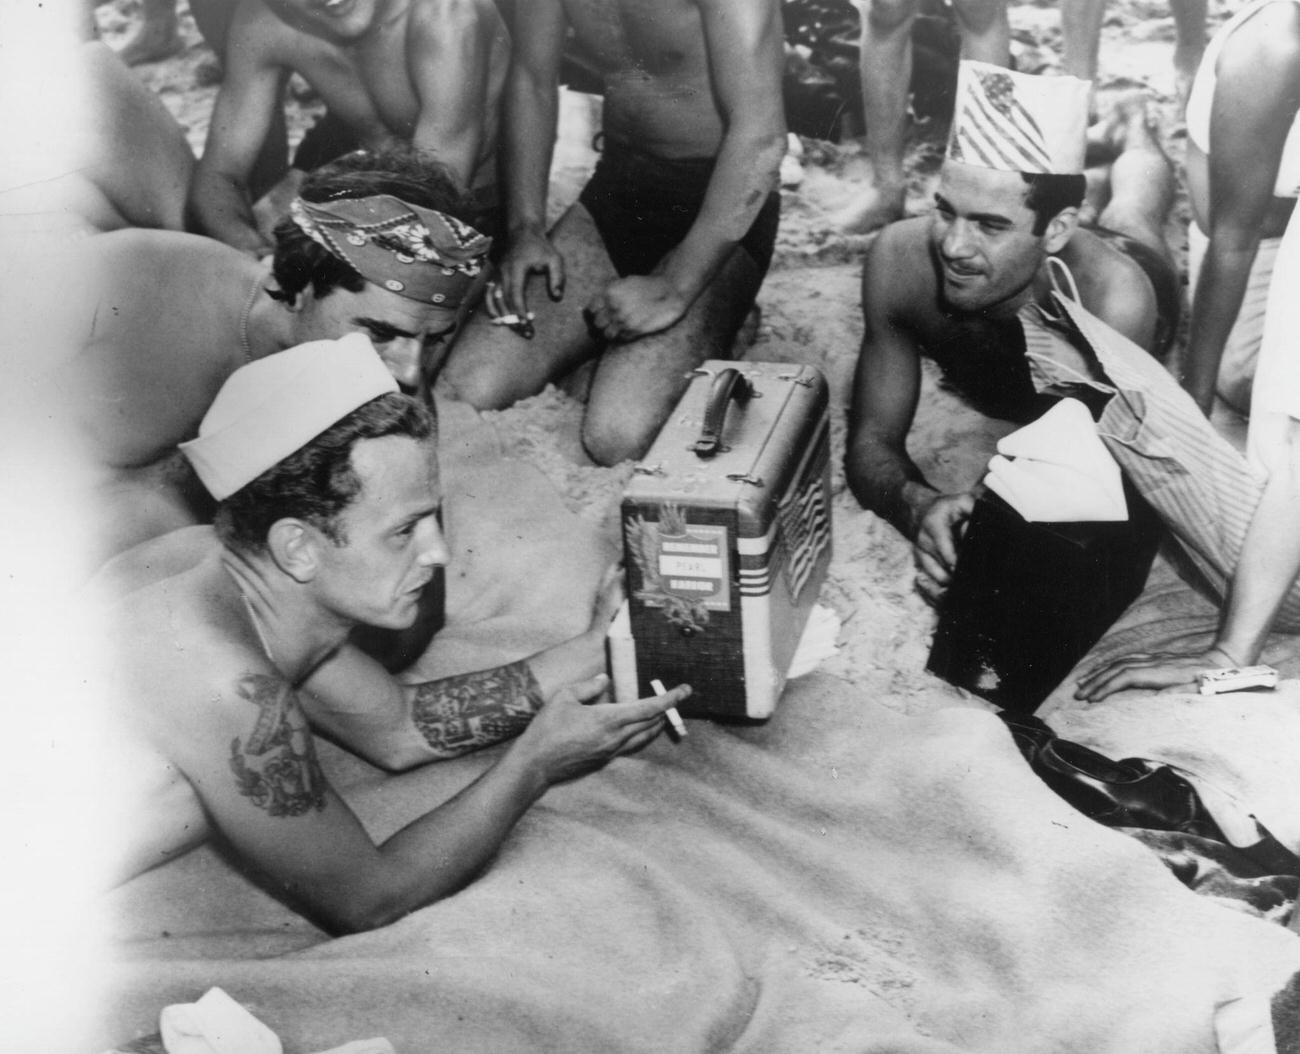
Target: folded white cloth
[[216, 1024], [1057, 470]]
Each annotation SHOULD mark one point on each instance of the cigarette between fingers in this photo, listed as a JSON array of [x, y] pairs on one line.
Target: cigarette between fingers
[[674, 718]]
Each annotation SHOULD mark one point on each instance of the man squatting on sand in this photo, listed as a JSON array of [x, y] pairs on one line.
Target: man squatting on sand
[[424, 72], [363, 250], [327, 482], [952, 285], [656, 266]]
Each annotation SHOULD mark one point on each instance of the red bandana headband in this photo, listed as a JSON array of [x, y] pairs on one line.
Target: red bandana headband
[[418, 253]]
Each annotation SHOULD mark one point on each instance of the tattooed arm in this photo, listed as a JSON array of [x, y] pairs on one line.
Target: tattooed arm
[[250, 756], [354, 701]]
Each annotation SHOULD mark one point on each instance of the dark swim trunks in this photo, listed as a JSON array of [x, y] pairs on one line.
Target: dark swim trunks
[[644, 205], [1164, 279]]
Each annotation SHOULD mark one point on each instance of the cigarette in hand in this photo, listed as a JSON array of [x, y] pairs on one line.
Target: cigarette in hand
[[521, 325], [674, 718]]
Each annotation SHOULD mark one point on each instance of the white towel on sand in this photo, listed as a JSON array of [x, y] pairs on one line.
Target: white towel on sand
[[1056, 470]]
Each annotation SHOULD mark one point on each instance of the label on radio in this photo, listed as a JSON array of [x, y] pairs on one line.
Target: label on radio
[[683, 568], [694, 566]]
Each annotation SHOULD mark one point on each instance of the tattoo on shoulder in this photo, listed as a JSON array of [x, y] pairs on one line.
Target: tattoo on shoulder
[[276, 766], [472, 710]]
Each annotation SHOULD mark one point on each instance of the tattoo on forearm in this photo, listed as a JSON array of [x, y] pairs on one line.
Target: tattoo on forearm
[[472, 710], [276, 766]]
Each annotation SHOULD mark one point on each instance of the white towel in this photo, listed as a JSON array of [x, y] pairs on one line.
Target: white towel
[[216, 1024], [1057, 470]]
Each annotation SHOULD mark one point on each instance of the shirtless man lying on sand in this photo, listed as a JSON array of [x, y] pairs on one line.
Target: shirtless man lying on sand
[[328, 492], [424, 72], [131, 369]]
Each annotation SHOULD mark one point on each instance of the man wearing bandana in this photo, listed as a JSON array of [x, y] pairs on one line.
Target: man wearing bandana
[[424, 72], [657, 265], [954, 286], [377, 245]]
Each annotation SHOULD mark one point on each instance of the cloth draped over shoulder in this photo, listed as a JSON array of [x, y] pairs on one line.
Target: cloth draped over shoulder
[[1202, 488]]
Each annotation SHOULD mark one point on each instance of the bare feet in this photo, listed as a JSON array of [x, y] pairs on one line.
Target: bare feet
[[879, 203], [1127, 125], [154, 39]]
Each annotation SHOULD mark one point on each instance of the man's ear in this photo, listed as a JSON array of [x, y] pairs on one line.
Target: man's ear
[[295, 547], [291, 302], [1060, 229]]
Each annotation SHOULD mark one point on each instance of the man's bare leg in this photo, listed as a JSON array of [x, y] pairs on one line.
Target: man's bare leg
[[111, 156], [157, 35], [885, 65], [1141, 177], [1189, 43], [490, 367], [637, 384], [1081, 37], [140, 157]]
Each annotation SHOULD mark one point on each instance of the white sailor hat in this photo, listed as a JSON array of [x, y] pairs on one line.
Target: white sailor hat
[[1018, 122], [276, 405]]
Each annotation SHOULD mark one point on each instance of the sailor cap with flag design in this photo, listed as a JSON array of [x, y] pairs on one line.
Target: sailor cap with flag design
[[1017, 122]]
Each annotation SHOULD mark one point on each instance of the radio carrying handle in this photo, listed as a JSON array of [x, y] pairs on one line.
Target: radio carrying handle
[[730, 385]]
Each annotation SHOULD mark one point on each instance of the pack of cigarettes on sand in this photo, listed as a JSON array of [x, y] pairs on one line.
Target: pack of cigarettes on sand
[[1237, 678]]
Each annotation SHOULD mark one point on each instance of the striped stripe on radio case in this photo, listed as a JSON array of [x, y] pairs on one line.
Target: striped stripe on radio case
[[801, 530]]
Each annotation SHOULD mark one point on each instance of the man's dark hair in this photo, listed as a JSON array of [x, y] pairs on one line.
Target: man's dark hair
[[1049, 193], [317, 482], [401, 171]]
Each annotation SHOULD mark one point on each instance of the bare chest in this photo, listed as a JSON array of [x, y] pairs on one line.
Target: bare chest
[[641, 40], [368, 87]]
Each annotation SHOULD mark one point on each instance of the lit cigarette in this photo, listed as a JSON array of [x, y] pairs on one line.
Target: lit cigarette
[[674, 718]]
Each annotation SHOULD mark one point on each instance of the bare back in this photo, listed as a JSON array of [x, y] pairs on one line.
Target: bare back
[[170, 667], [150, 334]]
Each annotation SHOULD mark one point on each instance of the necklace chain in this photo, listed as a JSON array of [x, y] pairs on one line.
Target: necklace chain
[[243, 319]]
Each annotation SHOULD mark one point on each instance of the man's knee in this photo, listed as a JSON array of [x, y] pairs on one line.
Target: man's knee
[[484, 385], [612, 434], [885, 16]]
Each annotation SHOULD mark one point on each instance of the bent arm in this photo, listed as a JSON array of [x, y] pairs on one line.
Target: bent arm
[[449, 54], [270, 800], [886, 389], [354, 701], [219, 199], [1255, 102], [745, 58]]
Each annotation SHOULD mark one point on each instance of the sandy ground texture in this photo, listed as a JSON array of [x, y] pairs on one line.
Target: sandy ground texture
[[809, 314]]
